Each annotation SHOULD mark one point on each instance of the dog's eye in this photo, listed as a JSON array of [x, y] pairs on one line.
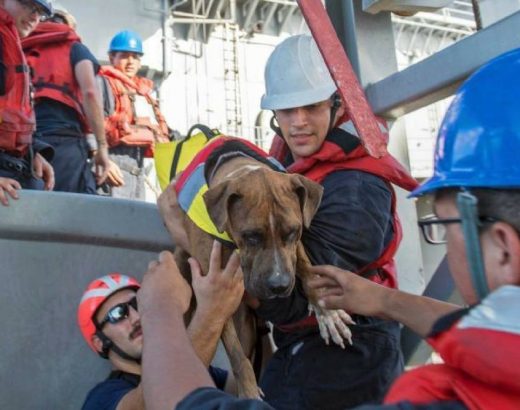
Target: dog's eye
[[252, 238], [291, 236]]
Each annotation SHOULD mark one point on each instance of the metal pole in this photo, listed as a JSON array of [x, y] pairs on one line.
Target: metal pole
[[165, 42], [476, 13]]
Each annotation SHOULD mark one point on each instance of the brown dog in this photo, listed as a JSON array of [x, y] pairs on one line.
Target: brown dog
[[264, 212]]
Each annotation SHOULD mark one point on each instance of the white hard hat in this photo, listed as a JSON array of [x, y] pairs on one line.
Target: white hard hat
[[296, 75]]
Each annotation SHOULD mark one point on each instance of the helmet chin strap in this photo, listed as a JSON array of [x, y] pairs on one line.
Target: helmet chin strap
[[467, 206], [336, 103], [108, 345], [275, 127]]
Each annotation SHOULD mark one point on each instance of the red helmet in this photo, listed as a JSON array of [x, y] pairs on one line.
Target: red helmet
[[95, 295]]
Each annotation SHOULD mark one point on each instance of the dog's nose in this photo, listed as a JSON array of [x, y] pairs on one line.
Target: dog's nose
[[278, 283]]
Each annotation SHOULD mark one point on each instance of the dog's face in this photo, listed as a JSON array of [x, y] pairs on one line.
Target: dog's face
[[265, 212]]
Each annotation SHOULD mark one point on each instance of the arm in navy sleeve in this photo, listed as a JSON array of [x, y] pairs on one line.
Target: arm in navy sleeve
[[208, 398], [80, 52], [406, 405], [351, 229]]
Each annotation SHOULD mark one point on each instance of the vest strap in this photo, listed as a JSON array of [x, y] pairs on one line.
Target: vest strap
[[64, 89], [22, 68]]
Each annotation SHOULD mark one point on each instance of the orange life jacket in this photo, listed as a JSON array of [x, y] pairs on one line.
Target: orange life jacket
[[47, 50], [332, 157], [481, 357], [124, 126], [17, 122]]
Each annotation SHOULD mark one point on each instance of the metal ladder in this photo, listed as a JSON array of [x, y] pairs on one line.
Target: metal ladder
[[232, 80]]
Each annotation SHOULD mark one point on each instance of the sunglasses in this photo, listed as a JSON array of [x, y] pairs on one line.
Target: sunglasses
[[118, 312]]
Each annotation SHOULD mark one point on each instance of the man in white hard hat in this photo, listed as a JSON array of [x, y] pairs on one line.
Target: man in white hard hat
[[356, 228]]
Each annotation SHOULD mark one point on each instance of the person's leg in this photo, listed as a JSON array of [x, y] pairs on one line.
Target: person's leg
[[134, 180], [71, 166], [278, 384], [309, 374]]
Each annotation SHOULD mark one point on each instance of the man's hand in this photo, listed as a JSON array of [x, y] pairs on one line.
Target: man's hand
[[8, 188], [163, 287], [218, 296], [43, 170], [103, 163], [173, 216], [341, 289], [115, 177], [221, 287]]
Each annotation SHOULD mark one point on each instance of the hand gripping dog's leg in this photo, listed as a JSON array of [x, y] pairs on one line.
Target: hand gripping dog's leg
[[332, 323]]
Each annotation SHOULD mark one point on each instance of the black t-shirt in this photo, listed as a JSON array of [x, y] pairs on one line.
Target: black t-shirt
[[107, 394], [54, 117]]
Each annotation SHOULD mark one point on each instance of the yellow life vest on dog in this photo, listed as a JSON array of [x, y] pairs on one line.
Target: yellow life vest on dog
[[173, 157], [192, 184]]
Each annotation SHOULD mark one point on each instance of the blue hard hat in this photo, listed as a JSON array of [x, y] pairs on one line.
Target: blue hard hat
[[126, 40], [479, 140], [47, 6]]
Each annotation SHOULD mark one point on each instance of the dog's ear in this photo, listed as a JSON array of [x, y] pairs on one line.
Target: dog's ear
[[218, 200], [309, 193]]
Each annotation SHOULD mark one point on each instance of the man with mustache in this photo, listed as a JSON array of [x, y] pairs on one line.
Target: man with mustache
[[109, 319], [22, 162]]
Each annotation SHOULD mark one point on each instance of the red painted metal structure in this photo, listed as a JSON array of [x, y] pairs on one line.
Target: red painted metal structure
[[352, 94]]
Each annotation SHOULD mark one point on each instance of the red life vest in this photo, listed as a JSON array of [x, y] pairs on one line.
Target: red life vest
[[17, 122], [123, 126], [332, 157], [47, 50], [481, 359]]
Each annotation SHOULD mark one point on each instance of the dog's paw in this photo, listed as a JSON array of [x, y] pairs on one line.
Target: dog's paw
[[333, 325]]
